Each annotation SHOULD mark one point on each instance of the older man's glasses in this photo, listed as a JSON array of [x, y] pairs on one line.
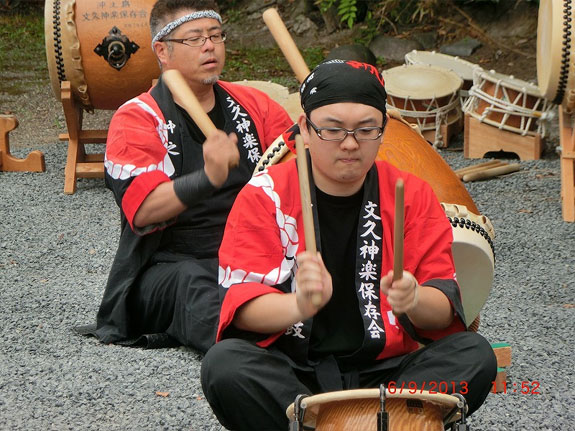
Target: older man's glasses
[[199, 40], [338, 134]]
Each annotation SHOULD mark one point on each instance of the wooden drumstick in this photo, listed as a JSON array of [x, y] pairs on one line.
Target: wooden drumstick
[[478, 167], [308, 228], [398, 231], [285, 42], [185, 97], [491, 172]]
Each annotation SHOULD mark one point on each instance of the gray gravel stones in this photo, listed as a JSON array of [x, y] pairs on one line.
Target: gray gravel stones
[[56, 251]]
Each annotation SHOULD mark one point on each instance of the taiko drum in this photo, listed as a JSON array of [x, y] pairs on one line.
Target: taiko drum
[[102, 47]]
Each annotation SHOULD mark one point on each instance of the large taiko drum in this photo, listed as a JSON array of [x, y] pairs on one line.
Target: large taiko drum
[[556, 52], [473, 233], [508, 103], [424, 95], [357, 410], [103, 48]]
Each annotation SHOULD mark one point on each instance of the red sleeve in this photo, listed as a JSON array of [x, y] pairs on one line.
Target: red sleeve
[[252, 256], [136, 157], [428, 240]]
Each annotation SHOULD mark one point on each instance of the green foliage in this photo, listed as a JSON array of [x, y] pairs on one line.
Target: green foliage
[[346, 9], [263, 64], [23, 52]]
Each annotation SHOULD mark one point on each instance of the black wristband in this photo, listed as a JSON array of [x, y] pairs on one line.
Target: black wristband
[[193, 187]]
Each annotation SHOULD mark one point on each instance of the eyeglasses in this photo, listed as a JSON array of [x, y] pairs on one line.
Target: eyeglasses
[[199, 40], [338, 134]]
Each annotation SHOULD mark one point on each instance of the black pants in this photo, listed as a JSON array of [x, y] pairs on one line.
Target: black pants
[[180, 299], [249, 388]]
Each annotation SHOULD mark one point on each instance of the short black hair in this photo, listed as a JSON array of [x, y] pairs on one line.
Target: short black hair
[[164, 10]]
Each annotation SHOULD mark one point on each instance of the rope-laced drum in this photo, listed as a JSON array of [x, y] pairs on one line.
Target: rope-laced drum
[[508, 103], [360, 409], [424, 95], [102, 48], [463, 68], [556, 52], [473, 234]]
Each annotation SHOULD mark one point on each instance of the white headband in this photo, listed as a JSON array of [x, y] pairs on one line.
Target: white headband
[[168, 28]]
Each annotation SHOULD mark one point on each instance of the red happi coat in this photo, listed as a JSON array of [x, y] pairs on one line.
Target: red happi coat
[[264, 233], [150, 142]]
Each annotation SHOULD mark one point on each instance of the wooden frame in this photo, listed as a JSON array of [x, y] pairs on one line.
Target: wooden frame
[[34, 162], [567, 140], [79, 164], [481, 138]]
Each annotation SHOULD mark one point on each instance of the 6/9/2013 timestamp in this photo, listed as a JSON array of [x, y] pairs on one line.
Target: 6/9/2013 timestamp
[[524, 387]]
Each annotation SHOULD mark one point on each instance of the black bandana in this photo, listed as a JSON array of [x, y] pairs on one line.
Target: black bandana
[[337, 81]]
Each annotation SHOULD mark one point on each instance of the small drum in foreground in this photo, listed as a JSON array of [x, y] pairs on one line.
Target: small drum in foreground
[[102, 48], [357, 410], [508, 103], [425, 95], [463, 68]]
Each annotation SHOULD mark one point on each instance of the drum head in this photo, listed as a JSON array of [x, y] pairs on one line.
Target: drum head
[[463, 68], [420, 81], [554, 31], [277, 92]]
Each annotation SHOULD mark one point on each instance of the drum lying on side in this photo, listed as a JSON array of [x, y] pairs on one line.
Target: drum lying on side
[[556, 51], [508, 103], [102, 48], [473, 234]]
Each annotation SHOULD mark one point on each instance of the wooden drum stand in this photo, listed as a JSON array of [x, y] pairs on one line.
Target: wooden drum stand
[[79, 164], [567, 140], [556, 77], [34, 162]]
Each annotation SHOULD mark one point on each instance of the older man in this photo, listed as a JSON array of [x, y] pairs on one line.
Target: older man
[[175, 186], [274, 341]]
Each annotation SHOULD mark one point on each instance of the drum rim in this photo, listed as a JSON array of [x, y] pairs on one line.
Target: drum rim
[[412, 56], [511, 82], [455, 78]]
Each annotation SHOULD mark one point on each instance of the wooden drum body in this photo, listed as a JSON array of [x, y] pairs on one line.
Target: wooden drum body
[[356, 410], [102, 48], [473, 234], [508, 103]]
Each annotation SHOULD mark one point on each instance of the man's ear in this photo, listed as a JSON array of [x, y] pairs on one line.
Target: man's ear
[[161, 51], [303, 127]]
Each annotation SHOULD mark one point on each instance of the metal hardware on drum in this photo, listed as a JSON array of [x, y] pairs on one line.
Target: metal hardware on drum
[[298, 412], [116, 48], [461, 424], [382, 415]]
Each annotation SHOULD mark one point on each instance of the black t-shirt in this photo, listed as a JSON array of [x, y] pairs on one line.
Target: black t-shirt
[[338, 327]]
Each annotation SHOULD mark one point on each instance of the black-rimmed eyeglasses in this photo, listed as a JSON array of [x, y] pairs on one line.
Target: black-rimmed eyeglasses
[[338, 134], [198, 41]]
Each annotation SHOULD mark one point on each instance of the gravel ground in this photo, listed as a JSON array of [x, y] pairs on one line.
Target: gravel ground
[[56, 251]]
